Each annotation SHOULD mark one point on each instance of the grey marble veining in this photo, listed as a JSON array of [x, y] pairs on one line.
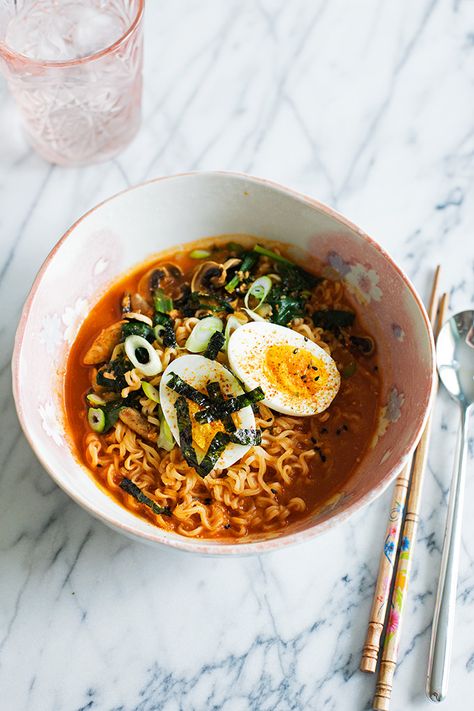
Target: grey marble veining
[[369, 107]]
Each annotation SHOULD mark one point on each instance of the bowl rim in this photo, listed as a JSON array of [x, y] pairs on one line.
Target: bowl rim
[[210, 546]]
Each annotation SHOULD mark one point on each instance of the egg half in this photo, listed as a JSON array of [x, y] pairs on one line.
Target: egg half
[[297, 376], [198, 371]]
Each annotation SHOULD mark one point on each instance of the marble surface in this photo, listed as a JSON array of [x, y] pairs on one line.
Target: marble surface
[[369, 107]]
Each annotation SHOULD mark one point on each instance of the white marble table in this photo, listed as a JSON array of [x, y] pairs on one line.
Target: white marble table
[[369, 107]]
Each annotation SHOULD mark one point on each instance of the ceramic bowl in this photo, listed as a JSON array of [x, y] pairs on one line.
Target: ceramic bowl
[[128, 228]]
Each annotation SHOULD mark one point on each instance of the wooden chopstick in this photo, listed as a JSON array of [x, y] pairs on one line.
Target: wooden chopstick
[[378, 611], [383, 689]]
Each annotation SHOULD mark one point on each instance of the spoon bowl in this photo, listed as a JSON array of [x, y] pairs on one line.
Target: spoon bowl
[[455, 357]]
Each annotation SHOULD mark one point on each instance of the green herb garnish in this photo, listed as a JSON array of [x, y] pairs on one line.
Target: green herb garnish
[[268, 253], [248, 262], [333, 319], [132, 489]]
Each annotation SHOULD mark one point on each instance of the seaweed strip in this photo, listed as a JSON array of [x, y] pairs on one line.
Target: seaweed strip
[[185, 431], [168, 335], [215, 344], [218, 444], [132, 489], [215, 395], [217, 411], [180, 386]]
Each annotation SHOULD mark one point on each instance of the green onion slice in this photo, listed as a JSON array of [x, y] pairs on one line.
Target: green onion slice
[[153, 365], [165, 438], [132, 489], [96, 419], [94, 399], [200, 254], [163, 303], [151, 392], [199, 338], [259, 290], [234, 322]]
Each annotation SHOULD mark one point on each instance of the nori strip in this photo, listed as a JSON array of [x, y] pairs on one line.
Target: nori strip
[[246, 436], [218, 410], [215, 395], [118, 368], [180, 386], [218, 444], [215, 344], [185, 431], [132, 489], [138, 328], [168, 334]]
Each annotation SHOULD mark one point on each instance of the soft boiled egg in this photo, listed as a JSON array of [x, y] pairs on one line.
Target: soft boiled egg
[[198, 371], [296, 375]]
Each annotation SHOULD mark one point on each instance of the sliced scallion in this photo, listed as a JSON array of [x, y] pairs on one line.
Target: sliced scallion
[[165, 438], [94, 399], [153, 364], [200, 254], [163, 303], [96, 419], [259, 290], [151, 392], [199, 338], [234, 322]]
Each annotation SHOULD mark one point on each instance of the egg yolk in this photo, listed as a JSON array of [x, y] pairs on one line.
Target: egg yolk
[[295, 371], [203, 434]]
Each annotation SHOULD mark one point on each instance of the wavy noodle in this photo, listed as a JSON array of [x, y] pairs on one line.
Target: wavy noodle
[[256, 493]]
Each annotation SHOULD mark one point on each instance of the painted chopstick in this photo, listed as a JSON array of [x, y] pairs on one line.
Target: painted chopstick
[[378, 611], [383, 689]]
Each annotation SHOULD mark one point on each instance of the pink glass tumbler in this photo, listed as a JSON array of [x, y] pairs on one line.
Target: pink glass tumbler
[[74, 68]]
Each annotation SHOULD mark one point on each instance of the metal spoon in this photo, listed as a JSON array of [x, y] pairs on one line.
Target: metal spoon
[[455, 358]]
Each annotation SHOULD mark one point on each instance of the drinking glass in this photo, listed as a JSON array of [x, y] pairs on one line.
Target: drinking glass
[[74, 68]]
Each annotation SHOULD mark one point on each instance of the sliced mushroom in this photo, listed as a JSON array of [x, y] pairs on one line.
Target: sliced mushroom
[[104, 344], [212, 275], [168, 277], [135, 316], [139, 424], [141, 305]]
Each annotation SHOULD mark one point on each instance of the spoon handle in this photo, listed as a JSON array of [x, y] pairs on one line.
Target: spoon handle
[[443, 620]]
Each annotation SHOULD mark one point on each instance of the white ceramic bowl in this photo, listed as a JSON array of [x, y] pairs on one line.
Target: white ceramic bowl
[[129, 227]]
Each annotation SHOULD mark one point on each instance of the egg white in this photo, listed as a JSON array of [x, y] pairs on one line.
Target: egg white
[[198, 371], [247, 350]]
